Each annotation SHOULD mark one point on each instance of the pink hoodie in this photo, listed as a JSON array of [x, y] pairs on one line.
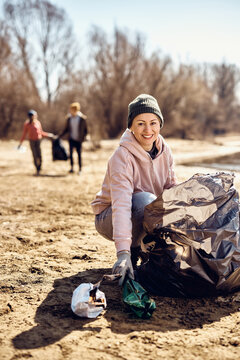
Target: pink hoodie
[[130, 170], [34, 130]]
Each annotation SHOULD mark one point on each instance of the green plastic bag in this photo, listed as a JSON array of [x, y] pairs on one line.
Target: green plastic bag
[[137, 299]]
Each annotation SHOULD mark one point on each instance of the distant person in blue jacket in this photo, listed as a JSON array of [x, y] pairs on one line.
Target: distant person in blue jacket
[[76, 127]]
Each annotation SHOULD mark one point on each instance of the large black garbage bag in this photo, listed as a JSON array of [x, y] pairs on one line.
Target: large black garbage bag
[[193, 239], [58, 150]]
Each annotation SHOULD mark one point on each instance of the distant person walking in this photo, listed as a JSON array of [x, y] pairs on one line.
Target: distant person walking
[[33, 128], [76, 127]]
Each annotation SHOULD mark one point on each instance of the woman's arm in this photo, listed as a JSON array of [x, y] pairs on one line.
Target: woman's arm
[[121, 189]]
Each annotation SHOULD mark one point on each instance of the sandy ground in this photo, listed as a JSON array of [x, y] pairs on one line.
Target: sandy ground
[[49, 246]]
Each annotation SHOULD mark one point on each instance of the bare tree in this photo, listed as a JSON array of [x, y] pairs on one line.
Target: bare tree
[[7, 75], [15, 99], [196, 108], [156, 73], [18, 17], [5, 49], [226, 78], [115, 64], [45, 42]]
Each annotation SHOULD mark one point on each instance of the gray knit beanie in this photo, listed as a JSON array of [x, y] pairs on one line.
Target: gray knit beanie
[[143, 103]]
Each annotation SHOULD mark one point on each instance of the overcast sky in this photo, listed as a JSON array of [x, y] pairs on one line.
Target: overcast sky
[[187, 30]]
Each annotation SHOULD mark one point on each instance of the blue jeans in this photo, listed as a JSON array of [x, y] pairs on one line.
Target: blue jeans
[[103, 221]]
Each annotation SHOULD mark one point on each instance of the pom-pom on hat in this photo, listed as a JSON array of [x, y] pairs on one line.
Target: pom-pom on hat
[[144, 103]]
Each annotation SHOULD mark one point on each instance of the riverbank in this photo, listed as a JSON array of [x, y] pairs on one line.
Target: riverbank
[[49, 246]]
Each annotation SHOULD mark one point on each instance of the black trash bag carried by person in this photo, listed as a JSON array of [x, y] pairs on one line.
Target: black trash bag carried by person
[[193, 239], [58, 150]]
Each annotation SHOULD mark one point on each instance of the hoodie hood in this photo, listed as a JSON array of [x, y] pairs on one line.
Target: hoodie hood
[[78, 113], [129, 141]]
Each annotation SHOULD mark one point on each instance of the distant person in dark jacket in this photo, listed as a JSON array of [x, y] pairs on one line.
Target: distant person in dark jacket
[[76, 127], [33, 129]]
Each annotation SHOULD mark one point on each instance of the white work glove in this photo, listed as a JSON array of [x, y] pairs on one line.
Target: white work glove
[[51, 136], [123, 265]]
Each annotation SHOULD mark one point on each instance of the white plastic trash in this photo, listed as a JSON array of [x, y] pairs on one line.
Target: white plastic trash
[[88, 301], [21, 149]]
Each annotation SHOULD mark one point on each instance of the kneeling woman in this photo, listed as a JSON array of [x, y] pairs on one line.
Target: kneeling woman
[[138, 171]]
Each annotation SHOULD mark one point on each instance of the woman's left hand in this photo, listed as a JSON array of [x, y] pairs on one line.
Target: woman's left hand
[[123, 266]]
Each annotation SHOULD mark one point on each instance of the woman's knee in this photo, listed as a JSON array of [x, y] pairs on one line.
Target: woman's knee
[[141, 199], [103, 224]]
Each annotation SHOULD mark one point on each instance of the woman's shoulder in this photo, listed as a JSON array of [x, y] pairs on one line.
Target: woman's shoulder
[[121, 151], [26, 123], [120, 156], [37, 123]]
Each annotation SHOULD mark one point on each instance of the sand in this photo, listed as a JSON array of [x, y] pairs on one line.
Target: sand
[[49, 246]]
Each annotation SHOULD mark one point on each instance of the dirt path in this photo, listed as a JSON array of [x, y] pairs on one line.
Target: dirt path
[[49, 246]]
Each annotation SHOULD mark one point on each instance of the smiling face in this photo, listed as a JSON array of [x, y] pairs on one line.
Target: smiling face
[[146, 128]]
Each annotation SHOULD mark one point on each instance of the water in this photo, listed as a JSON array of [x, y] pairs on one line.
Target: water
[[218, 166]]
